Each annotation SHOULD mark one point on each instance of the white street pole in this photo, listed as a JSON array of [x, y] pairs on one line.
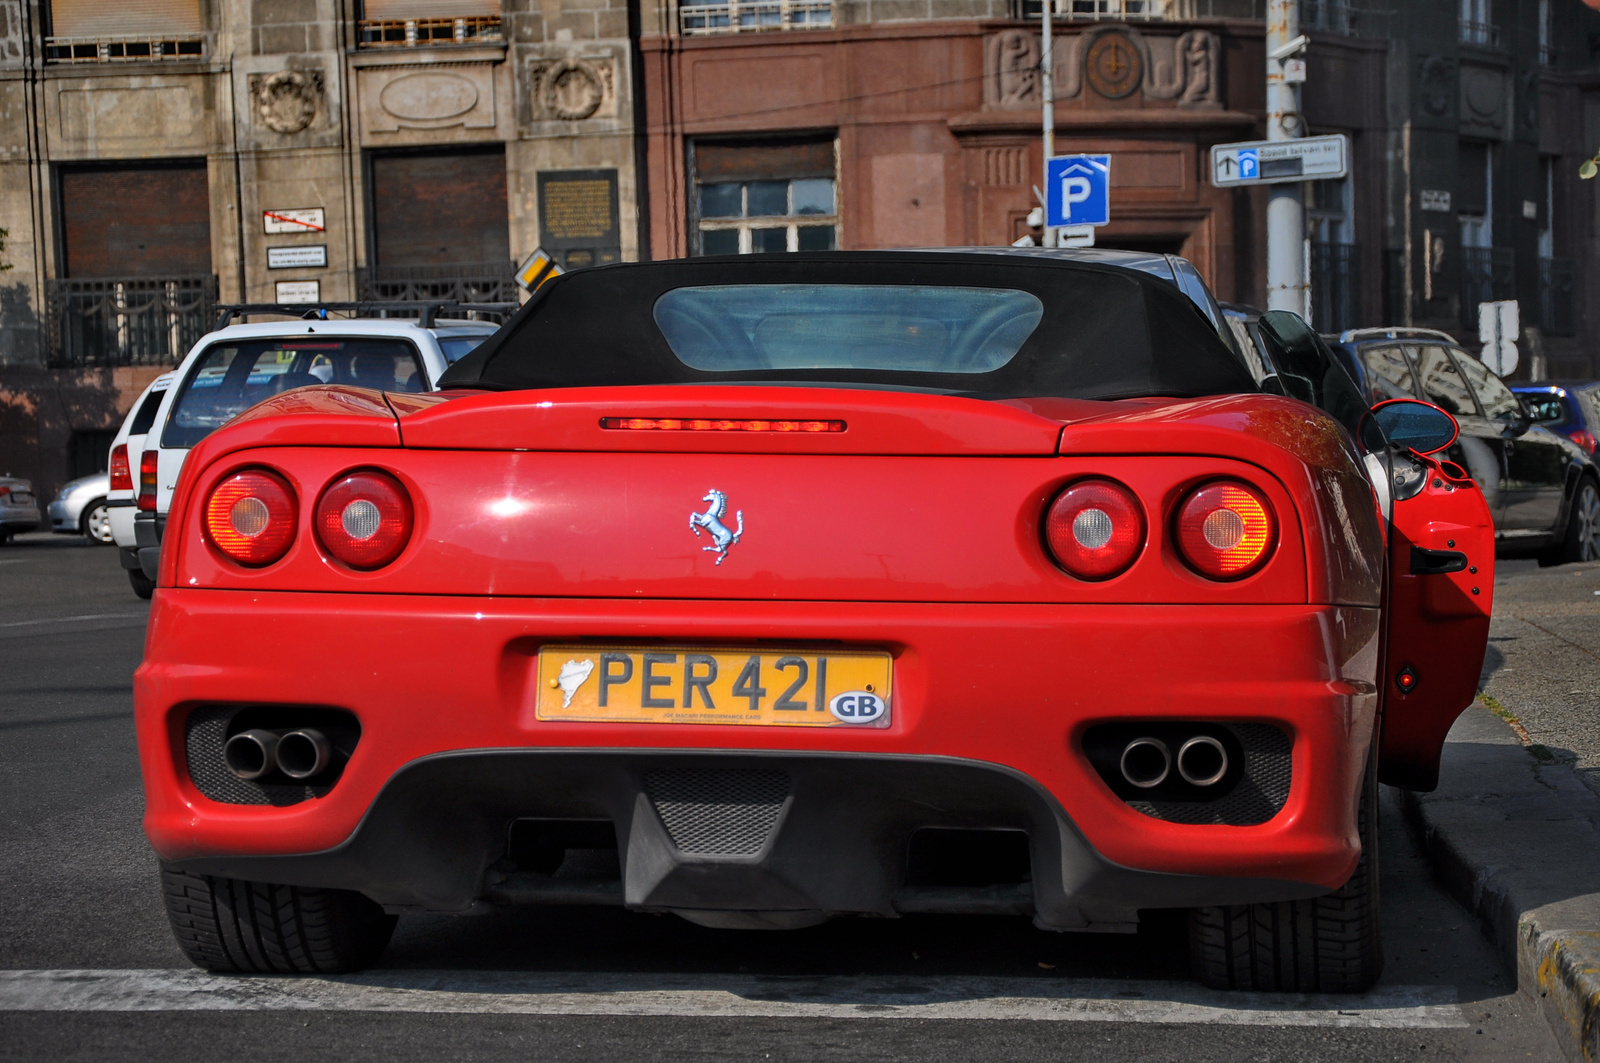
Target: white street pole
[[1047, 89], [1286, 227]]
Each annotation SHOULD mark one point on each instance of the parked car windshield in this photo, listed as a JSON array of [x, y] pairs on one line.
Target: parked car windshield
[[230, 377], [987, 326]]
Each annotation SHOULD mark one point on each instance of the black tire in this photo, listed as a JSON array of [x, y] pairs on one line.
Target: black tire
[[236, 927], [143, 585], [95, 524], [1582, 541], [1328, 944]]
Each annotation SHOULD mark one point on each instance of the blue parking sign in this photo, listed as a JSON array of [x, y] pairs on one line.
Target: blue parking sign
[[1249, 165], [1078, 190]]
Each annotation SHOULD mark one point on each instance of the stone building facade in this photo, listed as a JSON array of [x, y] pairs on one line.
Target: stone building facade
[[159, 156]]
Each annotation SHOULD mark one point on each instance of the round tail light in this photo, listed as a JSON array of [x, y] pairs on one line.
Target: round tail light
[[250, 517], [1225, 530], [1095, 528], [364, 519]]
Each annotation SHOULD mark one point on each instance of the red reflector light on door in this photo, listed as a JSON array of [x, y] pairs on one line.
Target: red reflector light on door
[[716, 424]]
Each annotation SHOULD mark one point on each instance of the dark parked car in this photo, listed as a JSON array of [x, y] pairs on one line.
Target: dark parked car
[[1543, 488], [1570, 407]]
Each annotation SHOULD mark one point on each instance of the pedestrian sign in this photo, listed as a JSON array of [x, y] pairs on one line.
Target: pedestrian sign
[[1078, 190], [1273, 161]]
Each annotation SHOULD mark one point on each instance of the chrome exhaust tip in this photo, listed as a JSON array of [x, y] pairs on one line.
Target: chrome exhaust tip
[[304, 754], [252, 754], [1202, 761], [1145, 762]]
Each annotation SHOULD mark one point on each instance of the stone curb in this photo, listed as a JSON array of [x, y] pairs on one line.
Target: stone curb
[[1516, 842]]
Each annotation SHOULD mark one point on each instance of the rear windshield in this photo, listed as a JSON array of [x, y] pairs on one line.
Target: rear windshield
[[1545, 407], [229, 378], [988, 326], [457, 347]]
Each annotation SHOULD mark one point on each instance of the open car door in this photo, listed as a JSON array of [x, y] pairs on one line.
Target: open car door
[[1441, 592]]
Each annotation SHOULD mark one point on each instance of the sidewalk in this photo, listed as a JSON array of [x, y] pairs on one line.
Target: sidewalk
[[1513, 831]]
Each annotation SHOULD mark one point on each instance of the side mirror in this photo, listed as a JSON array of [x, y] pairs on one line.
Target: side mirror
[[1415, 425]]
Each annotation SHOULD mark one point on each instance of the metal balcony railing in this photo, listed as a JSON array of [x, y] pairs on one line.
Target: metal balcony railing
[[754, 16], [421, 32], [1488, 274], [1483, 34], [467, 282], [1556, 308], [1335, 287], [124, 48], [107, 321]]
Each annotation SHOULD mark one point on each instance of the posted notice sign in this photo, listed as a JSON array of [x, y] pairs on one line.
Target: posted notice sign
[[294, 220], [305, 256], [1266, 162], [299, 291]]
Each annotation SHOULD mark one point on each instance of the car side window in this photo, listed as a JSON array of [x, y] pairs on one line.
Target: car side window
[[1546, 408], [1388, 375], [1497, 400], [1441, 382]]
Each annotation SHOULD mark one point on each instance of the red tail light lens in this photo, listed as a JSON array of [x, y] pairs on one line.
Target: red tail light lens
[[149, 464], [1095, 528], [121, 477], [364, 519], [1226, 530], [250, 517], [1584, 438]]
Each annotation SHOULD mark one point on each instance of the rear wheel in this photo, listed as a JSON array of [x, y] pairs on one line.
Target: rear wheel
[[233, 926], [96, 522], [143, 585], [1583, 525], [1328, 944]]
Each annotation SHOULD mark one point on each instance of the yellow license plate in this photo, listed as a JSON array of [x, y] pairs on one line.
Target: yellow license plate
[[663, 684]]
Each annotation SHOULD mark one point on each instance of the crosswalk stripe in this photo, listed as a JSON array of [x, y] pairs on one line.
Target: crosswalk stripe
[[732, 996]]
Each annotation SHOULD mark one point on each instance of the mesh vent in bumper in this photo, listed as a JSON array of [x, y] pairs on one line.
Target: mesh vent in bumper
[[718, 812], [204, 734], [1259, 795]]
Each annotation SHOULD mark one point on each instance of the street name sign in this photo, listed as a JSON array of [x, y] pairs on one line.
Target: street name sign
[[1077, 190], [299, 291], [1266, 162]]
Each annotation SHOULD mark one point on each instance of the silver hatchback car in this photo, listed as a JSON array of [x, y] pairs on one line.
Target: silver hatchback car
[[80, 508]]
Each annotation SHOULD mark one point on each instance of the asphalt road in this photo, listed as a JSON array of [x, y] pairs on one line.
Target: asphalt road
[[89, 971]]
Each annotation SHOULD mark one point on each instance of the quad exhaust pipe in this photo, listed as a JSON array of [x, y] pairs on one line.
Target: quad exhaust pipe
[[301, 755], [1146, 762]]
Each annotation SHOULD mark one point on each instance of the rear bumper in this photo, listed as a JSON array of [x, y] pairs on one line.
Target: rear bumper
[[990, 703]]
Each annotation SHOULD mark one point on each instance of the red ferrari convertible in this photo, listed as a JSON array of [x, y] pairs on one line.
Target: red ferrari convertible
[[780, 589]]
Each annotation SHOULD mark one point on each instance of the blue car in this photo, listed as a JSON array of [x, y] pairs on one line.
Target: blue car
[[1570, 407], [1542, 487]]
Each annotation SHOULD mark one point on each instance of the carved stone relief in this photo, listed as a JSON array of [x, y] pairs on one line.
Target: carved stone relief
[[571, 88], [433, 97], [1436, 84], [286, 101], [1115, 62], [1483, 99]]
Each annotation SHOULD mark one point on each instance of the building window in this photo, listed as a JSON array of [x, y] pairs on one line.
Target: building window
[[1547, 51], [754, 197], [1477, 24], [411, 23], [1105, 10], [754, 16], [1335, 290], [136, 31]]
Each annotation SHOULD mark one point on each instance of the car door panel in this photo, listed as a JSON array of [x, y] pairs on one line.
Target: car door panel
[[1535, 460], [1441, 593]]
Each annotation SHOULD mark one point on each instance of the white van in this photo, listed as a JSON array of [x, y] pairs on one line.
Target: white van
[[232, 369]]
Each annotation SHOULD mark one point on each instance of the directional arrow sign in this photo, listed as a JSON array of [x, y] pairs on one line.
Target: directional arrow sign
[[1266, 162]]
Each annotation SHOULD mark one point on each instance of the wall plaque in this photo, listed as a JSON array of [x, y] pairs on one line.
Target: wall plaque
[[578, 217], [309, 256]]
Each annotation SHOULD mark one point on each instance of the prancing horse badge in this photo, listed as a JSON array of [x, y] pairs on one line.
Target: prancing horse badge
[[722, 537]]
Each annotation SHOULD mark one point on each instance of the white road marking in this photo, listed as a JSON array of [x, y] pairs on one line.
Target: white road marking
[[732, 996], [72, 619]]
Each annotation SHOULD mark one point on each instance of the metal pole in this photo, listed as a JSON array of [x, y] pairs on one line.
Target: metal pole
[[1286, 227], [1047, 90]]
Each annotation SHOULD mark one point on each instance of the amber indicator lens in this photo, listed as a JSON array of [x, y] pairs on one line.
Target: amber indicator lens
[[250, 517], [1095, 528], [1225, 530], [716, 424], [364, 519]]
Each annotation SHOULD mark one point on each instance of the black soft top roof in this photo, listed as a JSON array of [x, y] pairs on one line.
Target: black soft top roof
[[1107, 332]]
